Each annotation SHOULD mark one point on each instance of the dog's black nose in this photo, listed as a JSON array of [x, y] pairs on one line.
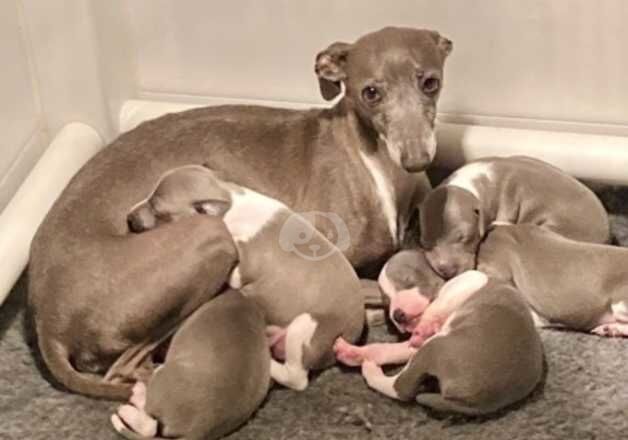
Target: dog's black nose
[[399, 316], [447, 271], [135, 224]]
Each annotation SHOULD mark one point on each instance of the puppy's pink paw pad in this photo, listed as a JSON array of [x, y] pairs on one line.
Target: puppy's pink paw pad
[[614, 330]]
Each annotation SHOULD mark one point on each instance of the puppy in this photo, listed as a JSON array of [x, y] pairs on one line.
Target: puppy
[[582, 286], [215, 375], [518, 189], [409, 284], [478, 351], [307, 289]]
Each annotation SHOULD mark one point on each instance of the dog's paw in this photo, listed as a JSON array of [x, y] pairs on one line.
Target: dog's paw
[[348, 354], [613, 330], [423, 331]]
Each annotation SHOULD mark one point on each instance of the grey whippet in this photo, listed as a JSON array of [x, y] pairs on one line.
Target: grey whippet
[[216, 373], [309, 298], [518, 189], [360, 159], [474, 351]]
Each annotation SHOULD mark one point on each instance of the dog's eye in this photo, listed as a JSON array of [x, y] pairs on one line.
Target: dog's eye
[[371, 95], [430, 85]]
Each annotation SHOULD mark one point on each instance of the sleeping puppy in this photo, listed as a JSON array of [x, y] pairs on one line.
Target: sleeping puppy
[[518, 189], [474, 351], [409, 285], [578, 285], [307, 289], [215, 375]]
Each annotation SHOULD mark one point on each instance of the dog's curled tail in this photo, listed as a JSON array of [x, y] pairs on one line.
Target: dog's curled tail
[[57, 360]]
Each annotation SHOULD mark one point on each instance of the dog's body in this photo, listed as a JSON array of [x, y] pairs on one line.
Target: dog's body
[[360, 160], [310, 299], [512, 190], [215, 375], [578, 285], [477, 340]]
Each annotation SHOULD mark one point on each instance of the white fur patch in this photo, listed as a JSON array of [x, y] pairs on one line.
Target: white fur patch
[[235, 279], [250, 211], [382, 383], [385, 193], [620, 311], [539, 321], [464, 177], [292, 373]]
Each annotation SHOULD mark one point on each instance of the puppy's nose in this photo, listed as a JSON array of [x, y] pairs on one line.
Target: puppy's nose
[[447, 271], [135, 224], [399, 316]]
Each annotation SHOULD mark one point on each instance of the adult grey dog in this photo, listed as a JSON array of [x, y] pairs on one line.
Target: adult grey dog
[[360, 159]]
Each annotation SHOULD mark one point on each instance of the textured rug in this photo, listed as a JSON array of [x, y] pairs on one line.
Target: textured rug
[[585, 394]]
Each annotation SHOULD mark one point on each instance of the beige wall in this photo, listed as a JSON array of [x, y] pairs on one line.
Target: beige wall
[[562, 60], [551, 64]]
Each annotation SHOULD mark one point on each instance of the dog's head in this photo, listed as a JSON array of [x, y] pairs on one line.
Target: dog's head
[[409, 285], [452, 225], [392, 79], [181, 192]]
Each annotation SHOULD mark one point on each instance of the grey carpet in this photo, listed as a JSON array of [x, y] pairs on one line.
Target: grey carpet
[[585, 394]]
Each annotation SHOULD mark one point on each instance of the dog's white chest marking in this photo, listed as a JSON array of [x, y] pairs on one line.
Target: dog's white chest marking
[[465, 176], [385, 192], [235, 279], [250, 211]]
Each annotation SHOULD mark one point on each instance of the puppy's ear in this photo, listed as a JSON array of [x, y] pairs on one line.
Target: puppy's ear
[[330, 69], [216, 208], [444, 44]]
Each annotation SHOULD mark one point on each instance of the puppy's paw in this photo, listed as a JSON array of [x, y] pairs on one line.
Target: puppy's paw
[[613, 330], [348, 354], [423, 331]]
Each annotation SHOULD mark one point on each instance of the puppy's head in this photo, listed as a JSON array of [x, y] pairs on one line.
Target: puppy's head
[[409, 285], [452, 225], [181, 192], [392, 79]]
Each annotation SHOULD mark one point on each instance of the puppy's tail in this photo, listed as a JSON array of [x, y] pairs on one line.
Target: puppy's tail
[[438, 403], [57, 360]]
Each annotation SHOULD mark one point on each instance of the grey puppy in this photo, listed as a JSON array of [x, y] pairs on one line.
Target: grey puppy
[[409, 285], [307, 289], [518, 189], [582, 286], [215, 375], [358, 159], [474, 351]]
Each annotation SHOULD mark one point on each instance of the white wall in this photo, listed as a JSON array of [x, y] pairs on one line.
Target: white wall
[[558, 60], [545, 64]]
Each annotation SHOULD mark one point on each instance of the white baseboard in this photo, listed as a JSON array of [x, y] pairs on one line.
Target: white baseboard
[[596, 153]]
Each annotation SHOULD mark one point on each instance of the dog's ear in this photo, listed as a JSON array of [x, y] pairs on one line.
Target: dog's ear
[[216, 208], [330, 69], [444, 44]]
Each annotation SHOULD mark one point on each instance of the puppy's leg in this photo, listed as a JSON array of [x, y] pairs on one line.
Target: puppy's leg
[[134, 417], [379, 354], [292, 373], [376, 379]]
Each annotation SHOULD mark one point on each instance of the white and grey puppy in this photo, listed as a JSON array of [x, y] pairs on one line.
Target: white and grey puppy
[[474, 351], [578, 285], [455, 216], [307, 289]]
